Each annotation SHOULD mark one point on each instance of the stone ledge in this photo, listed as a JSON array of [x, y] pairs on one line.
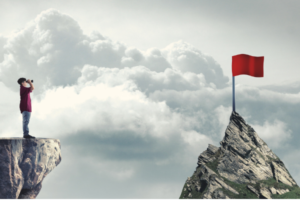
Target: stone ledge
[[24, 163]]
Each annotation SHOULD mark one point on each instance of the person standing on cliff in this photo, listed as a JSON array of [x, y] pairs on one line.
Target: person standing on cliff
[[25, 104]]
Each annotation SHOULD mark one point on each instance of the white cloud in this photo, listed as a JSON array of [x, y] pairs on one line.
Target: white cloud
[[96, 106], [223, 118], [146, 80], [193, 138], [255, 94], [52, 50], [187, 58], [160, 191], [135, 54], [275, 134], [2, 43], [113, 170], [155, 60], [100, 107], [197, 142]]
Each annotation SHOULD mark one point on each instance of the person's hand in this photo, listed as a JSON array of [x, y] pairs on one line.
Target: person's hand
[[28, 81]]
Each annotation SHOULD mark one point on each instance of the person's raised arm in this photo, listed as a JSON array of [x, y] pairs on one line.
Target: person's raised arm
[[31, 85]]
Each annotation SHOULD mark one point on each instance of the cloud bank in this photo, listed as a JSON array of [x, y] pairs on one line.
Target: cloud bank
[[128, 119]]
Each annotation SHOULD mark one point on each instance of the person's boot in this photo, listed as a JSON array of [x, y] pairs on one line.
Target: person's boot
[[28, 136]]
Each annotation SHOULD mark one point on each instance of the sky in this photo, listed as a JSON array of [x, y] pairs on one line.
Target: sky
[[136, 90]]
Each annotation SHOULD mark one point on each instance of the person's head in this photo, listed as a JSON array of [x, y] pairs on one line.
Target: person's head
[[22, 81]]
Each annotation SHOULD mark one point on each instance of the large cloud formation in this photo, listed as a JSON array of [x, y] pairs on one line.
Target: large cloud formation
[[128, 119], [53, 50]]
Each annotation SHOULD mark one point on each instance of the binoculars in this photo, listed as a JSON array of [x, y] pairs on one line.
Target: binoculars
[[31, 81]]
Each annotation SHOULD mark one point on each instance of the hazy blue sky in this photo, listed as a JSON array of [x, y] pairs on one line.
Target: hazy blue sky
[[136, 90]]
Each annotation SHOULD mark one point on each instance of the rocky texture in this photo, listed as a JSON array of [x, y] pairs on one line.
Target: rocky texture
[[243, 161], [265, 193], [24, 163], [252, 189]]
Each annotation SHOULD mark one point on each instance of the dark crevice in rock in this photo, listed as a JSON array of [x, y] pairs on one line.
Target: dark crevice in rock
[[235, 151], [238, 120], [27, 193], [261, 197], [12, 169], [273, 169], [254, 140], [248, 153], [203, 185], [279, 162]]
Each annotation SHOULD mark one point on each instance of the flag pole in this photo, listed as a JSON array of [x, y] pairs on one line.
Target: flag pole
[[233, 95]]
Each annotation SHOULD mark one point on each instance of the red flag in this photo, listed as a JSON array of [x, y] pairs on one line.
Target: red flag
[[249, 65]]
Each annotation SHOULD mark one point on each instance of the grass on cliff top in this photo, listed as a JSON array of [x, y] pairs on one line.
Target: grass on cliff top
[[294, 191], [195, 194], [294, 194], [245, 193], [183, 193], [214, 164]]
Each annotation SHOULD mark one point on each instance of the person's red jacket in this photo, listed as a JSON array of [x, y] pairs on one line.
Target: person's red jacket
[[25, 104]]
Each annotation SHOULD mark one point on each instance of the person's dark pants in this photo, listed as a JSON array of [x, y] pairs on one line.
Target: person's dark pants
[[26, 118]]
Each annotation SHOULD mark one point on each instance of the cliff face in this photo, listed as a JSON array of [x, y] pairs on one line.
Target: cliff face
[[242, 167], [24, 163]]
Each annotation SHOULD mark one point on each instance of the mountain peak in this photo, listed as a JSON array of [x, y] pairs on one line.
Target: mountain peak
[[242, 167]]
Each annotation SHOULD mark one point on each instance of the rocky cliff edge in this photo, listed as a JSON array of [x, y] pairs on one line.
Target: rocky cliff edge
[[242, 167], [24, 163]]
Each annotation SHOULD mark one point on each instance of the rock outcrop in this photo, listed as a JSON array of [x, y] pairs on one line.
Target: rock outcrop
[[242, 167], [24, 163]]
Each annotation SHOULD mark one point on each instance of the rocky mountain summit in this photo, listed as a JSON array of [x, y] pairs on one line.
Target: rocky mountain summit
[[24, 163], [242, 167]]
